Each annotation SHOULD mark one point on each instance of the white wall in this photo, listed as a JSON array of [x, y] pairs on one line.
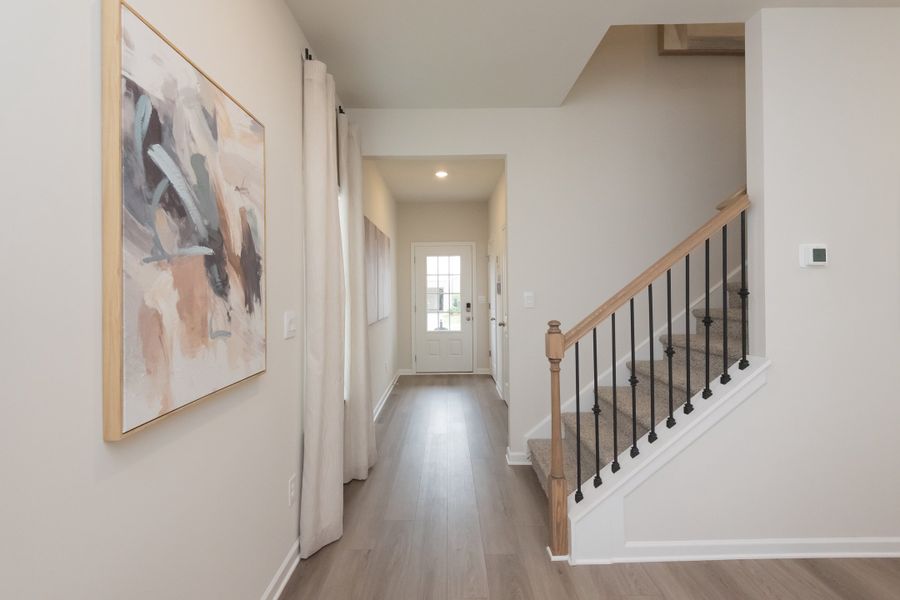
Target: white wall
[[195, 506], [441, 222], [815, 455], [637, 158], [380, 208]]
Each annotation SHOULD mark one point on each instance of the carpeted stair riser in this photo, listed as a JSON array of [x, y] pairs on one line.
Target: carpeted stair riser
[[716, 328], [589, 462]]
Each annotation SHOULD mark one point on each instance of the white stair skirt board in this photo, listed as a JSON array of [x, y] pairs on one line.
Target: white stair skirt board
[[642, 352], [516, 459], [597, 523], [283, 575]]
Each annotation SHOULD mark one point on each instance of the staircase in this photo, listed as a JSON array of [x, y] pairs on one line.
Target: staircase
[[540, 448], [612, 424]]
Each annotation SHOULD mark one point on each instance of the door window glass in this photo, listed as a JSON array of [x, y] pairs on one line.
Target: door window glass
[[442, 293]]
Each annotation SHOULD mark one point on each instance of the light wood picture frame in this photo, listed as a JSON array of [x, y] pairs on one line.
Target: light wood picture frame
[[701, 39], [184, 230]]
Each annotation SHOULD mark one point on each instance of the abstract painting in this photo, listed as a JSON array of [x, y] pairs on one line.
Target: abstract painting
[[184, 230], [378, 273]]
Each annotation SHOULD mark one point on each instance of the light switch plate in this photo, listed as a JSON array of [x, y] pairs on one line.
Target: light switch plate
[[528, 299], [290, 324]]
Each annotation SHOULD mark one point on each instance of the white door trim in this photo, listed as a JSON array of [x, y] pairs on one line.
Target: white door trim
[[412, 297]]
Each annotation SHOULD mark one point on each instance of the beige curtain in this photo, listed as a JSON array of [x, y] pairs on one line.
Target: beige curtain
[[359, 427], [321, 494]]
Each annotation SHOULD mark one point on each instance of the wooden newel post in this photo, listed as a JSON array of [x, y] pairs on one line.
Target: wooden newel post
[[559, 518]]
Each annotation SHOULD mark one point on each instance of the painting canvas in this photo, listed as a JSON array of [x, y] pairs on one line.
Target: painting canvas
[[378, 273], [189, 240]]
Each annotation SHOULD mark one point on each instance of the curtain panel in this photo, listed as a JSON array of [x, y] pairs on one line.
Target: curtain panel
[[321, 493], [359, 427]]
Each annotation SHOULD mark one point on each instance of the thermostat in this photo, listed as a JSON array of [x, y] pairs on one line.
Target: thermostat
[[813, 255]]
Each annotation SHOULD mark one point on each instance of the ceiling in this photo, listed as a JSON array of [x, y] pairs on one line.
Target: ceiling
[[414, 180], [485, 53]]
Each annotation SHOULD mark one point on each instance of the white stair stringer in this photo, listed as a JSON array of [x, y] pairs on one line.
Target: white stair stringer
[[597, 523]]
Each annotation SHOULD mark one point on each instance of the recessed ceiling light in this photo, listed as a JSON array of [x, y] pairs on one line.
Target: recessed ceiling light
[[441, 174]]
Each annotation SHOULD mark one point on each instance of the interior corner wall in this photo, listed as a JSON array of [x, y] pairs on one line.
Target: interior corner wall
[[381, 209], [638, 156], [197, 505], [442, 222], [813, 457]]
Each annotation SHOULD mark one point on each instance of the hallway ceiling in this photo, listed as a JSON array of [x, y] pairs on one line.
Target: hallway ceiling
[[485, 53], [414, 180]]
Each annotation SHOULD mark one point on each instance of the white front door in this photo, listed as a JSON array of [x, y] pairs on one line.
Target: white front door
[[443, 310]]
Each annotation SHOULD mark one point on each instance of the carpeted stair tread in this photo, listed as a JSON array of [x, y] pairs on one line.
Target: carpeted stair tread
[[734, 314], [698, 344], [643, 401], [540, 460], [679, 379], [588, 459]]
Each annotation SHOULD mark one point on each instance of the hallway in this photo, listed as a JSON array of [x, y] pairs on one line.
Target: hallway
[[443, 516]]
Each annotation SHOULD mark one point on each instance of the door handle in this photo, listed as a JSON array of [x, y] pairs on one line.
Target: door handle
[[493, 318], [501, 324]]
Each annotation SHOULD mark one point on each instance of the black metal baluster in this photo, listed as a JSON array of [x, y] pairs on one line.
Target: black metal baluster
[[725, 378], [578, 494], [670, 422], [707, 322], [633, 380], [615, 424], [743, 364], [652, 437], [688, 407], [597, 480]]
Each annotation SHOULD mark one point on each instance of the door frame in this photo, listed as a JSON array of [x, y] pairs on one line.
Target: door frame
[[414, 312]]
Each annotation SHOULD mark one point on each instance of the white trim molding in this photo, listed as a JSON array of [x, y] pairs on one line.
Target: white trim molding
[[763, 548], [387, 392], [283, 575], [516, 459]]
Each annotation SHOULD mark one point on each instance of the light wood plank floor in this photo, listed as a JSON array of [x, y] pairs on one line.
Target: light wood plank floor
[[442, 516]]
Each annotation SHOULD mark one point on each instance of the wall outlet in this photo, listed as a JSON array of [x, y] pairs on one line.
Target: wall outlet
[[292, 490]]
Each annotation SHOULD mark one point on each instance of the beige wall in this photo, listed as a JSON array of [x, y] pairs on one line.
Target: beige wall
[[638, 156], [380, 208], [814, 455], [197, 505], [441, 222]]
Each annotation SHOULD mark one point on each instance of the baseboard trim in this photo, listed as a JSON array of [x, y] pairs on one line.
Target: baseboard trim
[[754, 549], [517, 459], [475, 372], [559, 558], [387, 392], [283, 575]]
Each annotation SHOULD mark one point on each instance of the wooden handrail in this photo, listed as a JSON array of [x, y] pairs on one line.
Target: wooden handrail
[[730, 208], [732, 199]]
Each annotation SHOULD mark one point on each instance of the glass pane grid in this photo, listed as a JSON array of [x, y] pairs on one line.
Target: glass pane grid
[[442, 295]]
